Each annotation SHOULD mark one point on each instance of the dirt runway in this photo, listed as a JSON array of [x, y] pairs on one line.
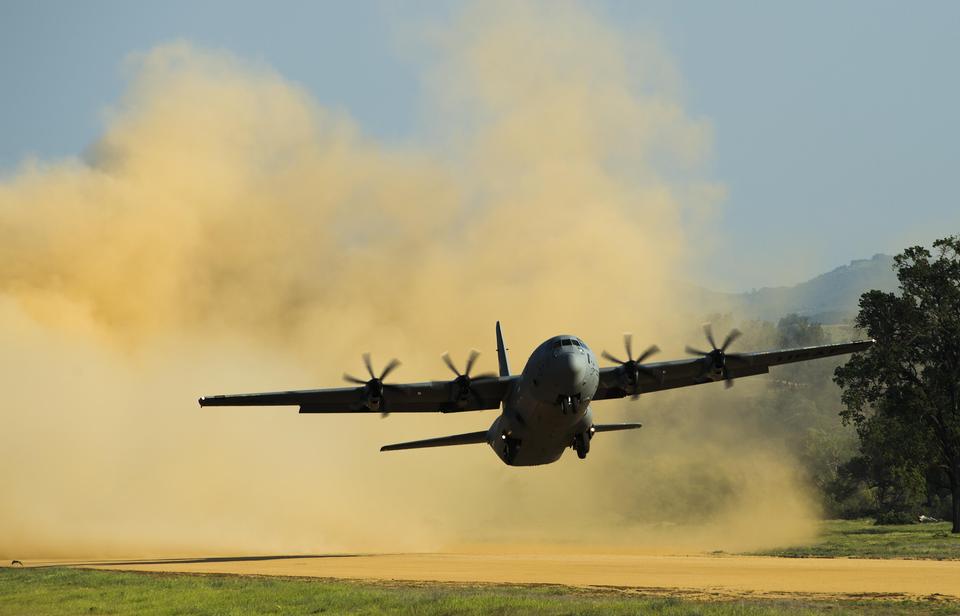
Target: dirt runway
[[715, 575]]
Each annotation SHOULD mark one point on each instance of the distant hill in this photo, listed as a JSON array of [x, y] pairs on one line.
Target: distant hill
[[829, 298]]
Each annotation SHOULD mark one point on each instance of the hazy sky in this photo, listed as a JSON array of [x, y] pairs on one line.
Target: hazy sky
[[835, 123]]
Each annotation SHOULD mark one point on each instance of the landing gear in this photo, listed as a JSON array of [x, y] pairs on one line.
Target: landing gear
[[510, 448], [581, 444]]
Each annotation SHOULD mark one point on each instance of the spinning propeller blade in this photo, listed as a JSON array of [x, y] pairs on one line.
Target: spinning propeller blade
[[374, 387], [718, 355], [632, 367], [461, 386]]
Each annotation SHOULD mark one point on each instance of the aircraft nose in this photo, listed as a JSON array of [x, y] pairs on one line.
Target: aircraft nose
[[572, 365], [563, 375]]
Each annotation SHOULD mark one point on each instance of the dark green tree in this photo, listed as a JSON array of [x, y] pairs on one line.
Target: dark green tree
[[794, 330], [910, 379]]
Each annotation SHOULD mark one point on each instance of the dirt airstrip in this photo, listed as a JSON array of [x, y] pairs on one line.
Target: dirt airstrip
[[713, 575]]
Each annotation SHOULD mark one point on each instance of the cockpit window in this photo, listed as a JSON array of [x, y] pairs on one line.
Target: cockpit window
[[576, 342], [566, 342]]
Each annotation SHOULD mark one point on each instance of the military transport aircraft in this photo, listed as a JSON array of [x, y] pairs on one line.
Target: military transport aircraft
[[546, 408]]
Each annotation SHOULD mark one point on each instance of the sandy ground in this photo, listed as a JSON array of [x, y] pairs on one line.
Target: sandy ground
[[720, 575]]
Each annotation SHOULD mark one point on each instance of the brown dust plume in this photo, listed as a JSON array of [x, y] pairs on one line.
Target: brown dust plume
[[227, 233]]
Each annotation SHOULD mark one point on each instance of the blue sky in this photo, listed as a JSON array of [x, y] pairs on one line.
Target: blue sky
[[835, 123]]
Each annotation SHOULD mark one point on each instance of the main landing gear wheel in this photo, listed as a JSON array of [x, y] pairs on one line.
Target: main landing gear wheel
[[581, 443], [510, 448]]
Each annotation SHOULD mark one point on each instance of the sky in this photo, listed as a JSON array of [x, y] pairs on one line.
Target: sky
[[834, 124]]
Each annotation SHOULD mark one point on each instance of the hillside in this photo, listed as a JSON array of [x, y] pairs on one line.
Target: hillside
[[828, 298]]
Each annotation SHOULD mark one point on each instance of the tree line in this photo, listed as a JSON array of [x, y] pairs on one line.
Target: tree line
[[887, 444]]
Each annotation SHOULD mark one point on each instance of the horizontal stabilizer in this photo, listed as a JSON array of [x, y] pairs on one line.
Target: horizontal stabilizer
[[615, 427], [469, 438]]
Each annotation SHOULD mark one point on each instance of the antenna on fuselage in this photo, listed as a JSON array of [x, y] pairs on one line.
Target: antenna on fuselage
[[502, 353]]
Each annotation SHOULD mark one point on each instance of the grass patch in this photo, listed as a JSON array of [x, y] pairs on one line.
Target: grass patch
[[864, 539], [76, 591]]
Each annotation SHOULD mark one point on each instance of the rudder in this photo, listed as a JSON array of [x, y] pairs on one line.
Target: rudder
[[502, 353]]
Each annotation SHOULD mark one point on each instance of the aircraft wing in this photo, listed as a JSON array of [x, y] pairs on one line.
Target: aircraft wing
[[658, 376], [433, 396]]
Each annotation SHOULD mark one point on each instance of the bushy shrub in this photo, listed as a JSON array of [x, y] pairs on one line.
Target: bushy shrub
[[896, 517]]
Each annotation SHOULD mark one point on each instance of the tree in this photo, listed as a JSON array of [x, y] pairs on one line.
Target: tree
[[794, 330], [896, 456], [910, 379], [802, 399]]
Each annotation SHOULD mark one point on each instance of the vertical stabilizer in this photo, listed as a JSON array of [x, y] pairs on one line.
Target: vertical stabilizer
[[502, 353]]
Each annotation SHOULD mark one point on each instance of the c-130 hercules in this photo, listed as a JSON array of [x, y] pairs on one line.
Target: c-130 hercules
[[546, 408]]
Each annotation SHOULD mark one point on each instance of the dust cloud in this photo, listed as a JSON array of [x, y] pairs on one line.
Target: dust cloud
[[227, 233]]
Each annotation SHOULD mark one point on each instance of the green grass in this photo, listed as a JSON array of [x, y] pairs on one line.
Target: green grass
[[77, 591], [864, 539]]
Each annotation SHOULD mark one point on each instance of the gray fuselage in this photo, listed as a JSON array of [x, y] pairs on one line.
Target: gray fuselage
[[548, 408]]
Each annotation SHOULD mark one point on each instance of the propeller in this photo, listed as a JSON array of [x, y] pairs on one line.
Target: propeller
[[633, 367], [718, 355], [374, 386], [462, 383]]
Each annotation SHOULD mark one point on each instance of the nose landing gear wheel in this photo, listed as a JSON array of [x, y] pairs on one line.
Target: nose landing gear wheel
[[581, 444]]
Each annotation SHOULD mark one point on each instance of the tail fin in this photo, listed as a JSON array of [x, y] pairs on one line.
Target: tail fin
[[444, 441], [502, 353]]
